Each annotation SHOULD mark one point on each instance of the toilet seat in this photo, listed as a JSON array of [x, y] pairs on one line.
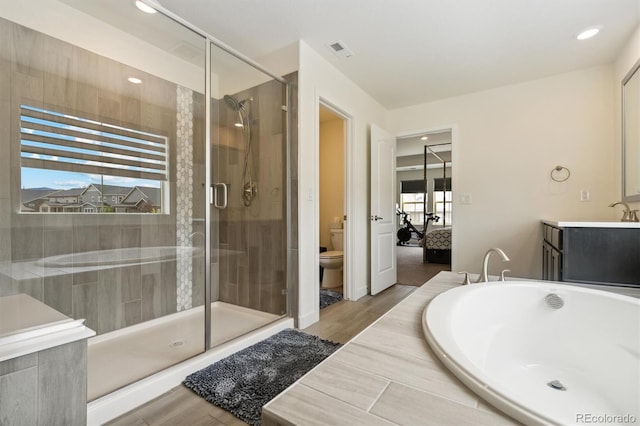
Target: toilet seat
[[333, 254]]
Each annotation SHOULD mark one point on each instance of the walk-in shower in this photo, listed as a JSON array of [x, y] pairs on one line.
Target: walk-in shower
[[153, 229]]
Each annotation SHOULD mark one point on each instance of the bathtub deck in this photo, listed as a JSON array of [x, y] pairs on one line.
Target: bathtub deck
[[21, 311], [121, 358], [386, 375]]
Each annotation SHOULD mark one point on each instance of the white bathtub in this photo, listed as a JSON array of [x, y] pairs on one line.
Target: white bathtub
[[537, 362]]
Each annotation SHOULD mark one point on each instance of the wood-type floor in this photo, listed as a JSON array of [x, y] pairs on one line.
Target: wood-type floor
[[411, 269], [339, 322]]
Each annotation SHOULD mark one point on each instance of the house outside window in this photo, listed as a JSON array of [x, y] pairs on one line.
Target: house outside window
[[57, 147], [413, 204], [412, 197]]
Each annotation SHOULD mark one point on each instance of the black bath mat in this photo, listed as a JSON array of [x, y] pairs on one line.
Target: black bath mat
[[328, 297], [245, 381]]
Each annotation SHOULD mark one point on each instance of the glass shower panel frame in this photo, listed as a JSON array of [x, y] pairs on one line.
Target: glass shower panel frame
[[137, 278]]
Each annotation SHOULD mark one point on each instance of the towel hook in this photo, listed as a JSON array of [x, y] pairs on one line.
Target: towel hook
[[560, 174]]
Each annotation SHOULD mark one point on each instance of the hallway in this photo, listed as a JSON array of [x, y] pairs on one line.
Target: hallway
[[411, 269]]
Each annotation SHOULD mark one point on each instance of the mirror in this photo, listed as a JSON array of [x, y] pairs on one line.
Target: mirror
[[631, 135]]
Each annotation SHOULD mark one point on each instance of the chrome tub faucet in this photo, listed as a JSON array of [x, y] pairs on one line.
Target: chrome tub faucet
[[484, 276]]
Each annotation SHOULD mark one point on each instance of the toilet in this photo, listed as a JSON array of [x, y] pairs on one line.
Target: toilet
[[332, 260]]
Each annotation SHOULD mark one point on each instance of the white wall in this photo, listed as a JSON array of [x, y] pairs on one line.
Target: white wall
[[507, 140], [320, 80], [628, 56]]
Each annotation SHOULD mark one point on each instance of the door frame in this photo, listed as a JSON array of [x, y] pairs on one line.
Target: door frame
[[454, 160], [348, 137]]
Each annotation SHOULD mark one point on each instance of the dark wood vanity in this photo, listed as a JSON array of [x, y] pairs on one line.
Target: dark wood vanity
[[606, 253]]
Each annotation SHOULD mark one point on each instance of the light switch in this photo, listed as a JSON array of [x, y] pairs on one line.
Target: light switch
[[465, 198], [585, 195]]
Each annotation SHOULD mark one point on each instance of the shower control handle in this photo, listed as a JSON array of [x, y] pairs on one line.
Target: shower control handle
[[216, 187]]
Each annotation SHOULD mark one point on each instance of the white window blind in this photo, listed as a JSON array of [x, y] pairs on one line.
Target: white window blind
[[55, 141]]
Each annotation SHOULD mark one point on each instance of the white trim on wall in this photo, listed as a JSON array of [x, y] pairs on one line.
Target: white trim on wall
[[349, 289]]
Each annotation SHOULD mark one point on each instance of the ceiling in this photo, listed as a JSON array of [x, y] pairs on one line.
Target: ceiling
[[405, 52], [410, 150], [408, 52]]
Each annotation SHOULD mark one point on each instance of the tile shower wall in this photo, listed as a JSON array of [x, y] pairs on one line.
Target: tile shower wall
[[253, 239], [45, 72], [184, 201]]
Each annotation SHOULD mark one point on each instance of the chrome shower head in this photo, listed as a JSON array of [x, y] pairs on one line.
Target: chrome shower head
[[234, 103]]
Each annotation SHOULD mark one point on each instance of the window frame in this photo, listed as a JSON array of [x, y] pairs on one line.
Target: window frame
[[118, 160]]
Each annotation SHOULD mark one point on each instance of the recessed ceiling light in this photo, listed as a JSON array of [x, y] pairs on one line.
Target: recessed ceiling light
[[588, 33], [424, 138], [144, 7], [134, 80]]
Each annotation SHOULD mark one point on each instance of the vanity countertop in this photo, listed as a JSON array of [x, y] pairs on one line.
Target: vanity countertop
[[386, 375], [591, 224]]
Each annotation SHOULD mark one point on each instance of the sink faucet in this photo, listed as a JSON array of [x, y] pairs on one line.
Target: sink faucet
[[628, 215], [484, 276]]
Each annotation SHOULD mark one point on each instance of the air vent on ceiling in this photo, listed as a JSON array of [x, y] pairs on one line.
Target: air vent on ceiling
[[340, 49], [187, 51]]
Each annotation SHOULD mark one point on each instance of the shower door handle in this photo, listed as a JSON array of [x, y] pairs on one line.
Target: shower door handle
[[216, 187]]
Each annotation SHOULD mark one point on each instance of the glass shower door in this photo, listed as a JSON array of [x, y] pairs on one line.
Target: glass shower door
[[249, 227]]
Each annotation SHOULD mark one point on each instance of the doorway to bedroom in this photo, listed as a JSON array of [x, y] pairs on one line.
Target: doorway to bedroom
[[424, 205]]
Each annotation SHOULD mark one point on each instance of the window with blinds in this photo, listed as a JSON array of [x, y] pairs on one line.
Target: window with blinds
[[55, 141], [114, 169]]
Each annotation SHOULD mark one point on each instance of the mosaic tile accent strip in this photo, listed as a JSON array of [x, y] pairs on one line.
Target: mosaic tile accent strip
[[184, 196]]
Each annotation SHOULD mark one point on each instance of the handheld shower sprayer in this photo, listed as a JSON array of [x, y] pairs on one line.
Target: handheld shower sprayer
[[249, 186]]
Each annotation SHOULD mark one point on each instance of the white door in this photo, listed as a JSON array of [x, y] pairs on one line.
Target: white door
[[383, 210]]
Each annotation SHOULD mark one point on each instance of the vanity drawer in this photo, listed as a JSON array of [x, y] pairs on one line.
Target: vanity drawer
[[553, 236]]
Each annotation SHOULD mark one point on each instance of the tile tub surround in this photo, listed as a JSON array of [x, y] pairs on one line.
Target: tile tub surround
[[386, 375], [43, 364], [45, 387]]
